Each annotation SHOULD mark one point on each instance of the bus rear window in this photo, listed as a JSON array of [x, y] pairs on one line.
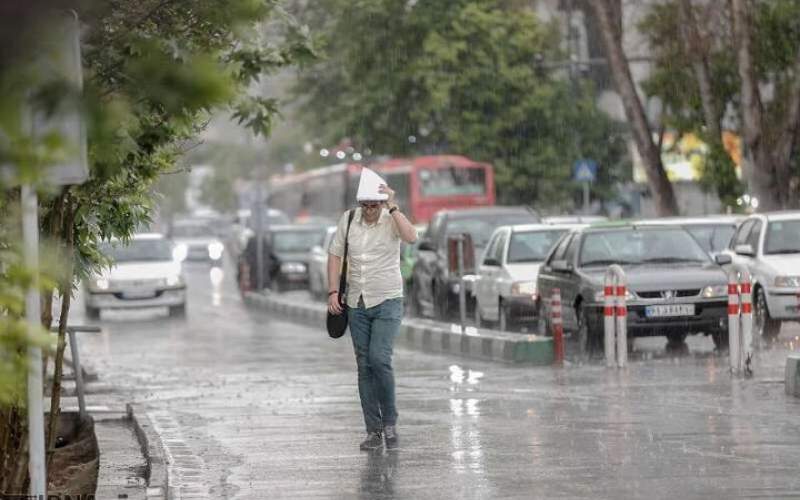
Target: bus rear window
[[452, 181]]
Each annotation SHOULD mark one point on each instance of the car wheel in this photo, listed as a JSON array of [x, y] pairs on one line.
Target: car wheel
[[92, 312], [676, 338], [764, 326], [177, 311], [720, 339], [502, 315], [588, 340]]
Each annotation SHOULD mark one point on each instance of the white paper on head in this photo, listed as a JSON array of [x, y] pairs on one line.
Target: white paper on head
[[368, 187]]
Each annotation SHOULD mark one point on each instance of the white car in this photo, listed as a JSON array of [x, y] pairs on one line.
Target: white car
[[195, 239], [147, 272], [769, 246], [505, 285], [318, 266]]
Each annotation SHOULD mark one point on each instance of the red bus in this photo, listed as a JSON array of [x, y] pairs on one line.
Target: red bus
[[424, 185]]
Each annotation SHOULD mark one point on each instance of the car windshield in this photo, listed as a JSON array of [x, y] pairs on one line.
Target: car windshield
[[783, 237], [641, 246], [192, 230], [481, 227], [713, 238], [296, 241], [138, 250], [532, 246]]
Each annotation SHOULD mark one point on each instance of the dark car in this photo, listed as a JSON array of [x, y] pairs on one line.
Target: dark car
[[287, 251], [674, 287], [434, 291]]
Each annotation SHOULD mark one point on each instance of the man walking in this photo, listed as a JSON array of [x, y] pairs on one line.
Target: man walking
[[374, 298]]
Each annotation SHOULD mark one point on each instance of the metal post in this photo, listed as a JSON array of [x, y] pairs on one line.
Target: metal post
[[609, 324], [615, 317], [558, 327], [259, 220], [622, 321], [586, 197], [462, 293], [78, 369], [30, 236], [740, 320]]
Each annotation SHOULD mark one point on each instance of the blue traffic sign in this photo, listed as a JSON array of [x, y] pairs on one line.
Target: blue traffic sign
[[584, 171]]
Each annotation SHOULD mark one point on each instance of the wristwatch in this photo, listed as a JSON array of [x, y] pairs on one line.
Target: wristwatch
[[393, 208]]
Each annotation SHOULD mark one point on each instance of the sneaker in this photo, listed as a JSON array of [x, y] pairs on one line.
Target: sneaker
[[374, 440], [390, 432]]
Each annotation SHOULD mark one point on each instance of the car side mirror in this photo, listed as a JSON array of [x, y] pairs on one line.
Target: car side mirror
[[745, 249], [722, 259], [491, 261], [561, 266], [426, 245]]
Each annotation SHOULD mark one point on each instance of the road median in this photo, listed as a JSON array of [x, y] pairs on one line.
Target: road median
[[427, 335]]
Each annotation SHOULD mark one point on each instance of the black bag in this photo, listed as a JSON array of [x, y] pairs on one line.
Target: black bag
[[337, 323]]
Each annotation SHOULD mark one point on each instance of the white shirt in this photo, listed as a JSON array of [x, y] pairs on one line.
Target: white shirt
[[374, 258]]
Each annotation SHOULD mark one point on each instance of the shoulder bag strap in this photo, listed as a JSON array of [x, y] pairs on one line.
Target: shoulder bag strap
[[343, 275]]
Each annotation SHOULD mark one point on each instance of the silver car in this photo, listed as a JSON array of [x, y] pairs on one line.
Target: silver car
[[318, 266], [769, 246], [505, 285]]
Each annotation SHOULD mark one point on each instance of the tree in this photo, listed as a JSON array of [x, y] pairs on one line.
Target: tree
[[154, 71], [609, 16], [459, 77]]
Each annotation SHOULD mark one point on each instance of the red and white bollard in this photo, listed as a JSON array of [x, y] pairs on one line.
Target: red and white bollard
[[740, 320], [615, 317], [558, 327]]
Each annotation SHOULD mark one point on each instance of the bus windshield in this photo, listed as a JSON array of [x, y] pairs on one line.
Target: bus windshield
[[452, 181]]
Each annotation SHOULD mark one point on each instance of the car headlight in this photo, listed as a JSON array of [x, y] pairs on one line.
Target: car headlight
[[523, 288], [174, 280], [180, 252], [713, 291], [101, 284], [215, 250], [787, 281], [600, 296], [293, 267]]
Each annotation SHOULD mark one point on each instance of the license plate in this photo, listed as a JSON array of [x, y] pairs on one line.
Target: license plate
[[671, 310], [138, 294]]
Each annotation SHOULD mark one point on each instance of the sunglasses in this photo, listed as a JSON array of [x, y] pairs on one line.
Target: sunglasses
[[374, 204]]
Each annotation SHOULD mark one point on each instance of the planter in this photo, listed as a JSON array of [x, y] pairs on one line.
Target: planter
[[76, 460]]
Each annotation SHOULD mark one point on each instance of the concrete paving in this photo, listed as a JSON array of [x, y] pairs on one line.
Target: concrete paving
[[253, 407]]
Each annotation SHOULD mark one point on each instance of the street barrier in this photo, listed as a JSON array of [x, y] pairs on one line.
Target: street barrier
[[615, 317], [461, 259], [558, 327], [792, 375], [740, 320]]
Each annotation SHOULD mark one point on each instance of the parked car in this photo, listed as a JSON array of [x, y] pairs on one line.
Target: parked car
[[146, 272], [196, 239], [713, 232], [287, 250], [769, 246], [434, 290], [505, 286], [244, 227], [318, 266], [674, 288]]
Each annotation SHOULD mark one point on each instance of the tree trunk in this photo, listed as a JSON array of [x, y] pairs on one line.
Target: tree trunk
[[609, 18], [66, 294], [760, 171], [698, 50]]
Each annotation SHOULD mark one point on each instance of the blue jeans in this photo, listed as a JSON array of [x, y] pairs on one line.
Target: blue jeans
[[373, 331]]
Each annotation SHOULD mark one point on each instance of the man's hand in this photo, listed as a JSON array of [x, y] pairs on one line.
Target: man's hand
[[383, 188], [333, 304]]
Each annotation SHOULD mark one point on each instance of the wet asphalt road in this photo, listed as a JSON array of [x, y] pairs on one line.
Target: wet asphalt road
[[252, 407]]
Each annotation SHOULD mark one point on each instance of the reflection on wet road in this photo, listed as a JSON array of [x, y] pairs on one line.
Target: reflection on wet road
[[254, 407]]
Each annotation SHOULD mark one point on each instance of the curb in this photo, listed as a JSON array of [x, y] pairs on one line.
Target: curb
[[793, 375], [153, 450], [428, 335]]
